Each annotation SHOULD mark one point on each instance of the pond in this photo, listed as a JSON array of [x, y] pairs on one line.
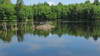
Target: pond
[[65, 39]]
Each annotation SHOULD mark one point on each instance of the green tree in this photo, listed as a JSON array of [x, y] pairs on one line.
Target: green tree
[[96, 2], [7, 12], [19, 10], [1, 1], [87, 1], [5, 1]]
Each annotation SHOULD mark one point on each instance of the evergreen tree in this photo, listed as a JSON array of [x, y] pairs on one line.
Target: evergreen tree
[[19, 9], [60, 3]]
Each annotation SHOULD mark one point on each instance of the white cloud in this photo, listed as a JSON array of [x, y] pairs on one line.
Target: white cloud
[[51, 3], [91, 1]]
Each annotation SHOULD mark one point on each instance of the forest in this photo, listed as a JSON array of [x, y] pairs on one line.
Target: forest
[[44, 12]]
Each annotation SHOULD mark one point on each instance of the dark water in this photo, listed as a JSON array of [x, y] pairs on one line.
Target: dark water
[[66, 39]]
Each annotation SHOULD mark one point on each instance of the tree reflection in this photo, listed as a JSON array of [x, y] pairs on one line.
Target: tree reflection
[[6, 31], [19, 29]]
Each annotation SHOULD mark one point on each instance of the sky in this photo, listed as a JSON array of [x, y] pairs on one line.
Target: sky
[[28, 2]]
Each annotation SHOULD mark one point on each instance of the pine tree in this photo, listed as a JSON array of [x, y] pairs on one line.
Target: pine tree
[[19, 9]]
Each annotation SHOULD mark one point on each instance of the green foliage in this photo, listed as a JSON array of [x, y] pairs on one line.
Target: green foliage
[[42, 12], [73, 12], [5, 2], [96, 2], [20, 10], [1, 1], [87, 1], [7, 12]]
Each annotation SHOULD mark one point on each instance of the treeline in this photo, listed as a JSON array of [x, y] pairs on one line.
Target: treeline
[[43, 11]]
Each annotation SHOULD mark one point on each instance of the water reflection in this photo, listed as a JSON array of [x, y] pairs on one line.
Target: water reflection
[[65, 39], [19, 29]]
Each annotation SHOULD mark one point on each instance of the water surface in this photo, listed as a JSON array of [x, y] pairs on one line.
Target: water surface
[[66, 39]]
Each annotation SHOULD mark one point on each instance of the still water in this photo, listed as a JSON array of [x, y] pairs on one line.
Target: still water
[[66, 39]]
